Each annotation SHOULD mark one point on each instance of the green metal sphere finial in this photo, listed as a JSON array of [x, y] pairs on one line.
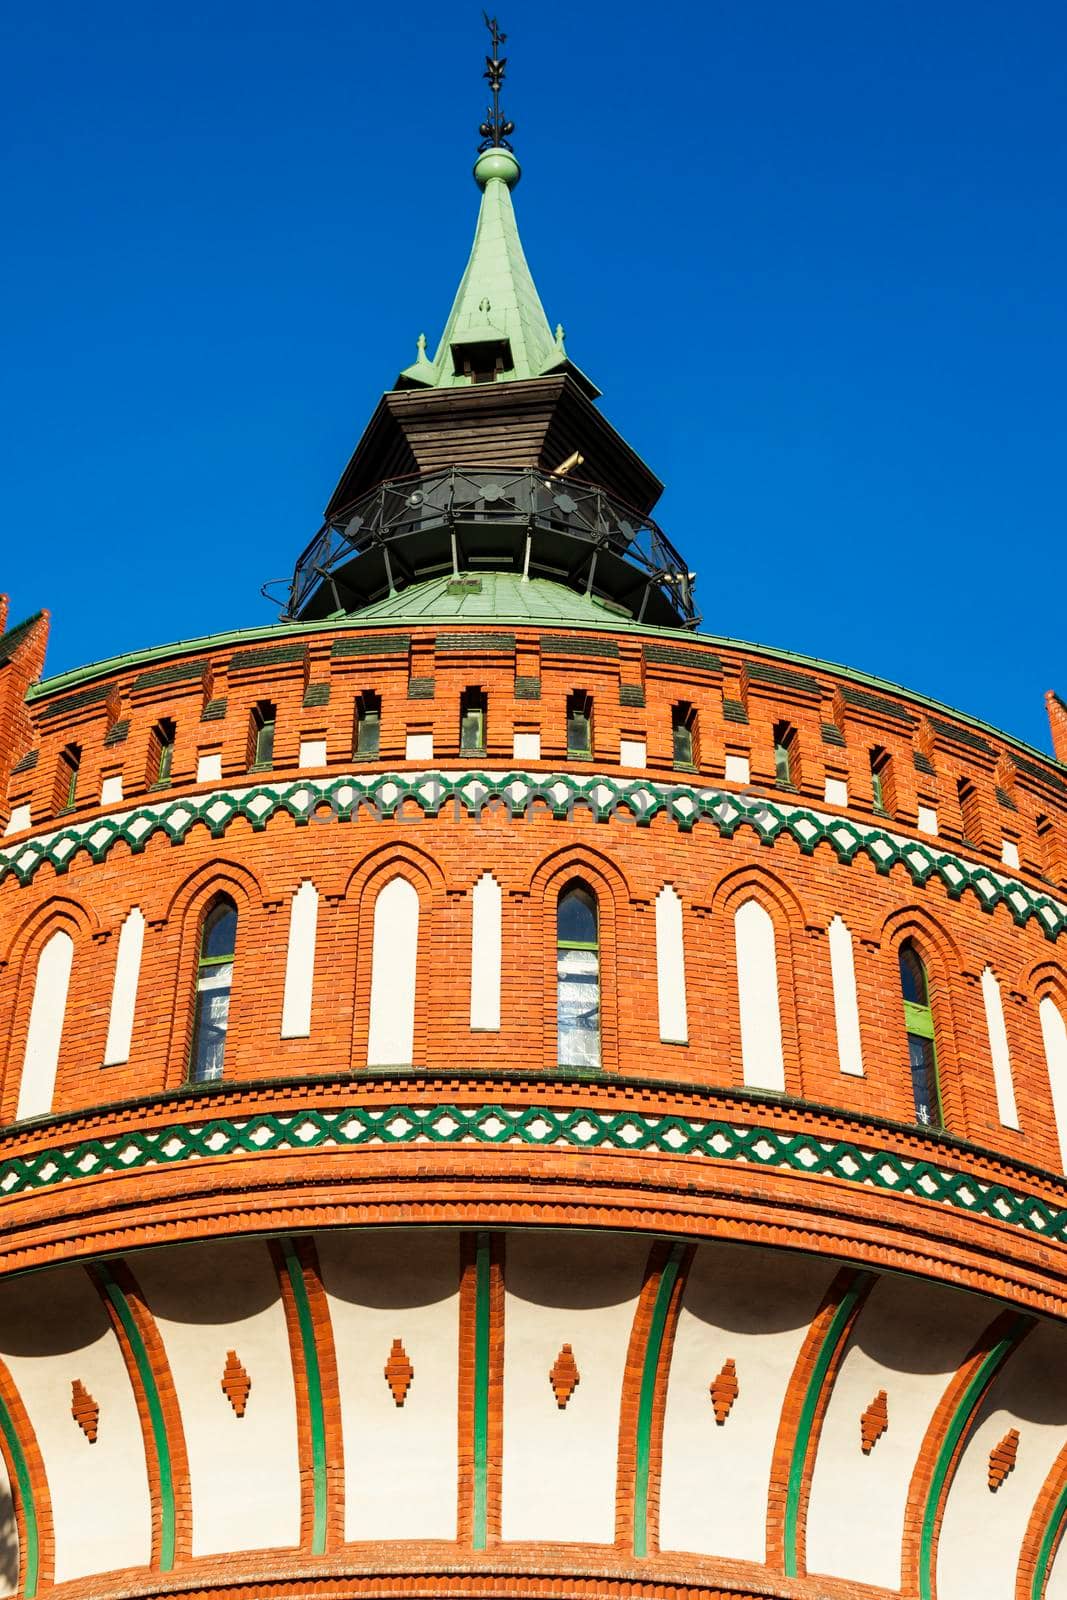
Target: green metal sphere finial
[[497, 163], [495, 129]]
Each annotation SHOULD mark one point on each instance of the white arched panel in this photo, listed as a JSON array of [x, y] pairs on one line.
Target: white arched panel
[[670, 968], [1054, 1035], [757, 991], [392, 988], [300, 963], [846, 1006], [998, 1050], [124, 990], [47, 1012], [486, 944]]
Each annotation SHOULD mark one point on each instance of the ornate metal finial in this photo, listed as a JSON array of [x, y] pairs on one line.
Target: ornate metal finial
[[495, 129]]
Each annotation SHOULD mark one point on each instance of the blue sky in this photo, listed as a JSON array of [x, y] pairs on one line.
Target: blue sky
[[814, 255]]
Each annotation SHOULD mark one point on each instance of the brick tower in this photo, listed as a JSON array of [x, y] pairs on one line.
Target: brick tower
[[506, 1094]]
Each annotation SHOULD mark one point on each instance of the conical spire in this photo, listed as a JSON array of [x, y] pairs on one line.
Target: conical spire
[[497, 328]]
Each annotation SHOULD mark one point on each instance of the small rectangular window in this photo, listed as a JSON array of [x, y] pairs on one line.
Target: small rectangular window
[[263, 718], [683, 733], [162, 757], [368, 727], [66, 790], [579, 724], [472, 720], [786, 765], [882, 795]]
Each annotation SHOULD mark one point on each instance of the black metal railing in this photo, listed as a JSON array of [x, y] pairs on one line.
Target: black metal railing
[[526, 520]]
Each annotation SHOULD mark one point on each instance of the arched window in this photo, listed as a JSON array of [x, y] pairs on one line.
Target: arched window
[[922, 1052], [214, 980], [577, 977]]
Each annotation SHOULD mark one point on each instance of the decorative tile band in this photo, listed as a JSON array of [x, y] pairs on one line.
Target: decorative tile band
[[467, 793], [543, 1127]]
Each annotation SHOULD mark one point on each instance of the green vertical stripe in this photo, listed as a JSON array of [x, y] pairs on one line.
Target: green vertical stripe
[[24, 1486], [1048, 1545], [155, 1415], [481, 1389], [314, 1390], [958, 1425], [806, 1422], [647, 1397]]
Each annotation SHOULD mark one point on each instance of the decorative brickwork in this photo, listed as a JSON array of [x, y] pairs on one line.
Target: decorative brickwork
[[1002, 1459], [874, 1422], [84, 1410], [236, 1385], [564, 1376], [399, 1372], [724, 1390]]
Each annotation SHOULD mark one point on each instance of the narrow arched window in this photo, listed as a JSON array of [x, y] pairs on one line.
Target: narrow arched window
[[214, 981], [472, 716], [922, 1050], [683, 733], [367, 742], [577, 977], [261, 735]]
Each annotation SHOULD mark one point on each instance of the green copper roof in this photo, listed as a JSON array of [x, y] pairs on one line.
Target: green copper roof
[[488, 596], [496, 299]]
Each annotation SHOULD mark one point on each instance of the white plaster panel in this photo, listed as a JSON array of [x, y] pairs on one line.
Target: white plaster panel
[[111, 789], [846, 1005], [1009, 853], [486, 937], [392, 989], [44, 1036], [927, 819], [909, 1340], [300, 963], [670, 967], [754, 1307], [998, 1050], [401, 1462], [312, 753], [524, 747], [124, 989], [559, 1469], [53, 1330], [632, 753], [836, 793], [418, 747], [9, 1535], [736, 769], [244, 1472], [981, 1532], [209, 767], [1054, 1037], [763, 1064], [21, 817]]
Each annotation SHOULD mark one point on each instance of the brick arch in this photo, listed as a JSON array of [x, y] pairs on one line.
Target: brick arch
[[59, 913], [355, 930], [614, 922], [1046, 978], [183, 920], [796, 979], [944, 964]]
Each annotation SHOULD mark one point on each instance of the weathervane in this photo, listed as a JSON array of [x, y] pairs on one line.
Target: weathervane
[[495, 129]]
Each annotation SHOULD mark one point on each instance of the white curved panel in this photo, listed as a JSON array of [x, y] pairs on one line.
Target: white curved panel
[[1054, 1036], [207, 1300], [486, 947], [982, 1532], [753, 1307], [53, 1331], [998, 1050], [300, 962], [401, 1462], [124, 989], [560, 1466], [909, 1340], [392, 990], [47, 1013], [846, 1005], [670, 967], [757, 989]]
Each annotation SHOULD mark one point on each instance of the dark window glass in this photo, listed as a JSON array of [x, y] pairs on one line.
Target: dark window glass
[[165, 742], [579, 725], [214, 980], [683, 730], [472, 712], [577, 978], [368, 726], [784, 743], [70, 763], [263, 735]]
